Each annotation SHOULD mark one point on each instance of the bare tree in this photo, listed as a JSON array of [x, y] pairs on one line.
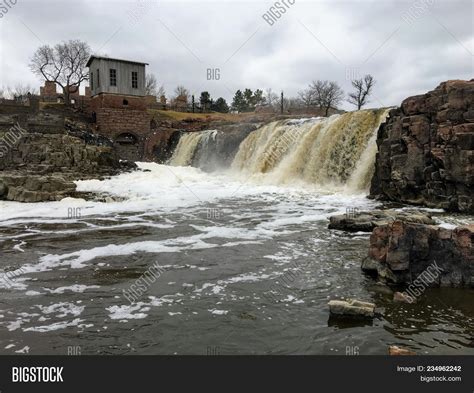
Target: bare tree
[[271, 98], [332, 96], [318, 91], [307, 97], [64, 64], [21, 90], [161, 92], [181, 94], [150, 84], [363, 89], [326, 94], [181, 91]]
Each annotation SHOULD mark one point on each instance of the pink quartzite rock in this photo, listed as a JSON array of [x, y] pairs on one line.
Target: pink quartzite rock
[[426, 149]]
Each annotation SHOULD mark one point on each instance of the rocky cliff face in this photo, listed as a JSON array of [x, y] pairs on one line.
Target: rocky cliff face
[[219, 151], [42, 167], [426, 150]]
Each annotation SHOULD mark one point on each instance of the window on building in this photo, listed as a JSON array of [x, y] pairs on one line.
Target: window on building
[[92, 80], [134, 80], [113, 77], [125, 102], [98, 78]]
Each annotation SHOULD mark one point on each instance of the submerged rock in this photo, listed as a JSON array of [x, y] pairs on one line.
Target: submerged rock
[[422, 255], [352, 308], [367, 221], [396, 351], [381, 288], [402, 297]]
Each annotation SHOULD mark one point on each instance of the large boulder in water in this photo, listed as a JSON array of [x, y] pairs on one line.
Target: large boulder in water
[[366, 221], [407, 253], [351, 308], [426, 149]]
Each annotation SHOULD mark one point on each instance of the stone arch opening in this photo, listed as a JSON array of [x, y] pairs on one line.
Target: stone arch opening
[[128, 146]]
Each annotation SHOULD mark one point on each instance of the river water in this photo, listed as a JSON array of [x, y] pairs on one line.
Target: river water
[[246, 262], [244, 268]]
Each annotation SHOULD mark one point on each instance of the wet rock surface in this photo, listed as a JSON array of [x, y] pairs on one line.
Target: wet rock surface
[[394, 350], [402, 297], [424, 255], [368, 220], [219, 151], [426, 150], [351, 308]]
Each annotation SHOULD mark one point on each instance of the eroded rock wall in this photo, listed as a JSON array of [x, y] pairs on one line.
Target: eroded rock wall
[[41, 167], [426, 150], [403, 252]]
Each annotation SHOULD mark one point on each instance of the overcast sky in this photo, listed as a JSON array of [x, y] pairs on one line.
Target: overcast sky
[[409, 46]]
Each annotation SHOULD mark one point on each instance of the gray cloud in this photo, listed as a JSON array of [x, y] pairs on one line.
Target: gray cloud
[[312, 40]]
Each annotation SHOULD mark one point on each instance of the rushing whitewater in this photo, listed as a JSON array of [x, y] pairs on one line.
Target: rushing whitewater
[[187, 146], [238, 259], [336, 150]]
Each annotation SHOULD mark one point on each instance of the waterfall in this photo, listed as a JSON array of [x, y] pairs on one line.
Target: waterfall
[[338, 151], [187, 146]]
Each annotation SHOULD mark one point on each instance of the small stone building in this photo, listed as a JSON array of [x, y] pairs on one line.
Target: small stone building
[[118, 103]]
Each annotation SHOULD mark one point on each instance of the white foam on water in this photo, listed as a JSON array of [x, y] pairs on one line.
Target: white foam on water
[[62, 309], [32, 293], [55, 326], [18, 246], [132, 311], [77, 288], [246, 277], [218, 312], [25, 349], [138, 310], [164, 189], [14, 325]]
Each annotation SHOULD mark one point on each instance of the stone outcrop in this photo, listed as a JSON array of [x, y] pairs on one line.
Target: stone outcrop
[[367, 221], [220, 150], [42, 167], [47, 153], [426, 150], [165, 135], [351, 308], [27, 187], [407, 253]]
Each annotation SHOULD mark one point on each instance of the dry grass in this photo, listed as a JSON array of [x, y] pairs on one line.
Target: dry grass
[[214, 116]]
